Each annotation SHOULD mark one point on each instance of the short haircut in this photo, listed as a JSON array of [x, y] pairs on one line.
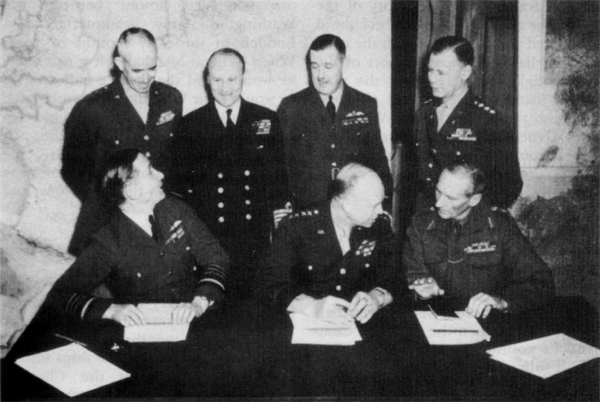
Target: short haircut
[[475, 174], [323, 42], [461, 47], [114, 71], [118, 169], [347, 179]]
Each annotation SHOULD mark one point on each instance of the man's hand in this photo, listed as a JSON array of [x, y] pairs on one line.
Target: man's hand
[[184, 313], [363, 306], [279, 214], [329, 308], [125, 314], [481, 304], [426, 288]]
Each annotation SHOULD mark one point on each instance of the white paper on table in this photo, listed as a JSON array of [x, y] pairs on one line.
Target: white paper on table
[[72, 369], [309, 330], [157, 313], [156, 333], [464, 321], [547, 356]]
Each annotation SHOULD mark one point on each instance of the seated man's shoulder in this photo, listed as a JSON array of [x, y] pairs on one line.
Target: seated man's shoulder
[[424, 217], [305, 218]]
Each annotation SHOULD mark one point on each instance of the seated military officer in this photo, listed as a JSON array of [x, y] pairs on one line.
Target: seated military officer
[[471, 251], [154, 249], [338, 261]]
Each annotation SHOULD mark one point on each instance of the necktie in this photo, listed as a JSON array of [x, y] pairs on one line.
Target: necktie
[[442, 114], [331, 108], [229, 121], [154, 227]]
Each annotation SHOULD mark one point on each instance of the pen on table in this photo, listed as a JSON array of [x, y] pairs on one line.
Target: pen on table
[[71, 340], [456, 330]]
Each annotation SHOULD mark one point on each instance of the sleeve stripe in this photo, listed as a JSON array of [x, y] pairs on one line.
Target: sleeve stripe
[[213, 281]]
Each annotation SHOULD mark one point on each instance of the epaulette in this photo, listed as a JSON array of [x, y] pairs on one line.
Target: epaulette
[[305, 213], [480, 104]]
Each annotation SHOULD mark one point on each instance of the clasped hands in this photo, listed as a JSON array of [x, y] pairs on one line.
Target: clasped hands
[[129, 315], [479, 305], [337, 310]]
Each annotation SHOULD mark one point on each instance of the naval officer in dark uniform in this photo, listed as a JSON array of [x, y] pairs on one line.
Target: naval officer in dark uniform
[[231, 168], [133, 111], [329, 125], [457, 125], [472, 251], [337, 256]]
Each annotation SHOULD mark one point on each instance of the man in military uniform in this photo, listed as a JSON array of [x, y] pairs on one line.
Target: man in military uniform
[[154, 250], [329, 125], [456, 125], [231, 168], [132, 111], [340, 255], [472, 251]]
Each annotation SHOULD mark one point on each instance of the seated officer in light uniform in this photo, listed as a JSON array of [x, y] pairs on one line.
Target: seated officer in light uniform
[[471, 251], [154, 250], [338, 261]]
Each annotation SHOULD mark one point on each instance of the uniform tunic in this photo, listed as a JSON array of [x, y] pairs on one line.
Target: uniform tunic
[[103, 122], [474, 132], [488, 254], [185, 261], [306, 257], [317, 148], [234, 178]]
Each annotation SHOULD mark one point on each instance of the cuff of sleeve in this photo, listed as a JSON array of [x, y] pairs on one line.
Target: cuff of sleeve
[[96, 309], [211, 291]]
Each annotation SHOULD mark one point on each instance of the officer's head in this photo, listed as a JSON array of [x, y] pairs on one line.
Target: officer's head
[[135, 59], [450, 66], [224, 76], [128, 176], [358, 192], [458, 190], [325, 63]]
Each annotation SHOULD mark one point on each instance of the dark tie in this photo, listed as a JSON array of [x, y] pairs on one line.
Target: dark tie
[[229, 121], [331, 108], [154, 227]]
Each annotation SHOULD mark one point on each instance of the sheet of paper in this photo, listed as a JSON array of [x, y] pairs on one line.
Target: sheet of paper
[[156, 333], [308, 330], [157, 313], [545, 357], [447, 331], [72, 369]]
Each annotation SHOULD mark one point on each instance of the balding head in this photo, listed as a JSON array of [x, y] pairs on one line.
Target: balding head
[[135, 57]]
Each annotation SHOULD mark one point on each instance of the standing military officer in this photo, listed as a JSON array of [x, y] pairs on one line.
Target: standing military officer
[[472, 251], [134, 111], [231, 168], [457, 125], [339, 255], [329, 125]]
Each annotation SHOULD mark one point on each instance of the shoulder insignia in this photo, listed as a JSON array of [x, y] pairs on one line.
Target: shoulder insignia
[[431, 224], [307, 213]]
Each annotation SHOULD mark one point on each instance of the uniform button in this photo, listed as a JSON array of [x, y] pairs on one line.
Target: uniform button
[[162, 253], [310, 267], [247, 187], [220, 190], [367, 265], [247, 173], [430, 165], [343, 271], [338, 288], [116, 142], [248, 202], [434, 151], [195, 268], [417, 144], [190, 191], [148, 154], [170, 135], [332, 146], [429, 179], [248, 216], [457, 152], [221, 205], [333, 164], [221, 219], [139, 275], [170, 273], [188, 248], [220, 175], [146, 137], [357, 252]]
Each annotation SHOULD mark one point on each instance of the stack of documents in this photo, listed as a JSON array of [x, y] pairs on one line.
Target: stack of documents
[[464, 330], [159, 326], [545, 357], [72, 369], [308, 330]]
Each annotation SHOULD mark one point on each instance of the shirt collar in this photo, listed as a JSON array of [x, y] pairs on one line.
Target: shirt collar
[[336, 97], [235, 111], [142, 220]]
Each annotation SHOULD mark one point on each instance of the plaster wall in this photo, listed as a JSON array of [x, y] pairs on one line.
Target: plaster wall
[[53, 52]]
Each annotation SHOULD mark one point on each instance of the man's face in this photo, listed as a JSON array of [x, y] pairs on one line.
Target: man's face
[[447, 75], [452, 196], [225, 78], [363, 204], [145, 185], [138, 64], [326, 69]]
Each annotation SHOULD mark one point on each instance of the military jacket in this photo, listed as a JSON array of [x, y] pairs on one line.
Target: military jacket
[[488, 254], [185, 261], [305, 257], [317, 148], [473, 132]]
